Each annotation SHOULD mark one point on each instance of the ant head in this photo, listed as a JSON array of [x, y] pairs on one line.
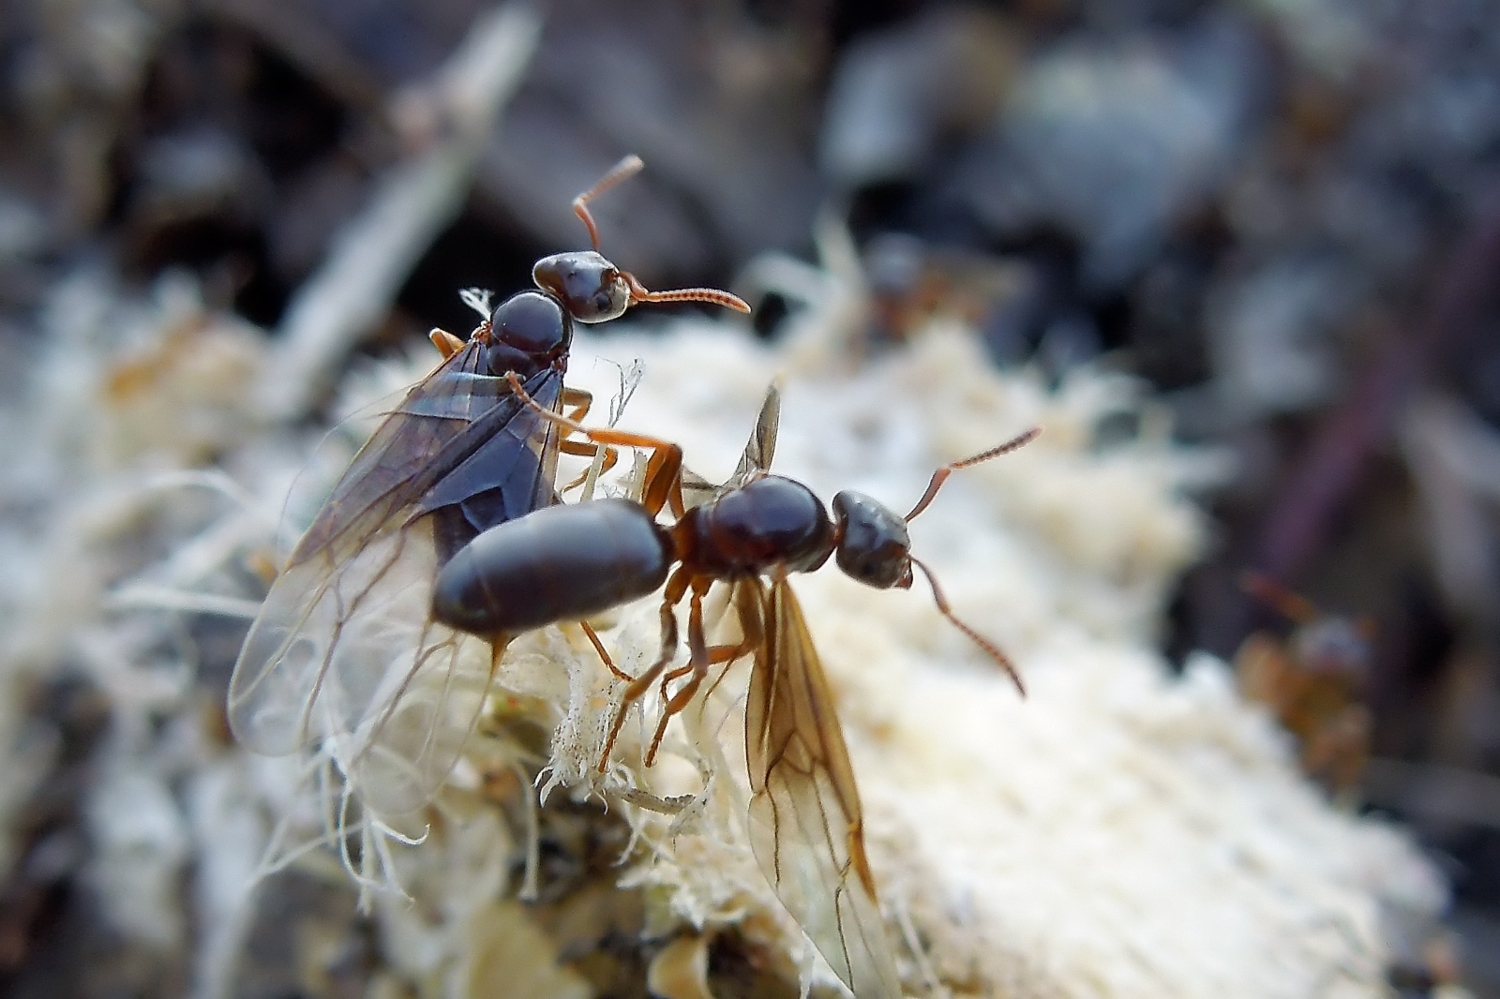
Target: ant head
[[873, 544], [592, 289]]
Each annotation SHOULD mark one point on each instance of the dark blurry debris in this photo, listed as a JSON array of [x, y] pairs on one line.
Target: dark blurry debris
[[912, 283], [1314, 683], [411, 203], [305, 940], [200, 170], [23, 228], [1165, 332], [308, 43], [1330, 467], [1114, 143], [1455, 462], [1268, 332], [715, 100], [1433, 794], [901, 95], [1479, 948], [1330, 38]]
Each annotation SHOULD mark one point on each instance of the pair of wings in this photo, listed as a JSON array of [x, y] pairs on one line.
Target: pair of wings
[[345, 654], [806, 824]]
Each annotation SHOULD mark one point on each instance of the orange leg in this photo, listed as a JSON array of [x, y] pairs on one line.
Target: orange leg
[[675, 590], [663, 468], [446, 343], [593, 636], [582, 400], [702, 657]]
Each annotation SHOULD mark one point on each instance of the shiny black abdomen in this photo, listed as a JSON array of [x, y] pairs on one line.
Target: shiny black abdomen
[[769, 521], [561, 563]]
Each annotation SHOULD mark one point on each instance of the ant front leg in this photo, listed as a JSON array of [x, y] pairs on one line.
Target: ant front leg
[[446, 343]]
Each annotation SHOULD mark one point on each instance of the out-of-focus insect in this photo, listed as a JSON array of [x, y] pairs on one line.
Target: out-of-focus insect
[[345, 646], [1312, 681], [568, 562]]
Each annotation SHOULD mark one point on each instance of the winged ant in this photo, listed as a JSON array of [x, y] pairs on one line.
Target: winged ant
[[346, 632]]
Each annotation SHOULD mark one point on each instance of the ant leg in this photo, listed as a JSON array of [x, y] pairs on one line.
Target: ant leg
[[605, 458], [582, 400], [697, 666], [752, 635], [990, 649], [675, 589], [593, 636], [663, 468], [446, 343], [941, 475], [627, 167], [1293, 606]]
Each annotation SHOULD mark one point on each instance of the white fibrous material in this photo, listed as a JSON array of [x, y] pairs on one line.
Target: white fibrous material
[[1121, 831]]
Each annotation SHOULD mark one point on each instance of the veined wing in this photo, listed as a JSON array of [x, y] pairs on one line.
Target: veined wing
[[344, 648], [759, 451], [806, 826]]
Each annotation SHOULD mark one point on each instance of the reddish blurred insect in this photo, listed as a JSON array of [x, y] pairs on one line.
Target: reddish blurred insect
[[1313, 681], [568, 562], [345, 647]]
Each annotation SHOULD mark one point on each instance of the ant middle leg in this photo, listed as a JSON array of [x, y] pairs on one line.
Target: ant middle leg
[[676, 588], [696, 669], [703, 657]]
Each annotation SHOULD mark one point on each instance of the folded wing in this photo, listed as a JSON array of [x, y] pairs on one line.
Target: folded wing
[[806, 826]]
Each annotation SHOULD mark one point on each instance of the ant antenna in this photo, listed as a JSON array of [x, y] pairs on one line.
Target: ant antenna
[[941, 475], [713, 296], [989, 647], [623, 170]]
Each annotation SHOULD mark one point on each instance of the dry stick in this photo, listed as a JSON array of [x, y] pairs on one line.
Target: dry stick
[[374, 252]]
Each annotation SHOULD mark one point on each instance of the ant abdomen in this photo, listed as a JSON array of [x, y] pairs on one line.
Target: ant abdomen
[[560, 563]]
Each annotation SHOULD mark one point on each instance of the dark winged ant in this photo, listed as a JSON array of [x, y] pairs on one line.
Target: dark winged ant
[[346, 631], [565, 563]]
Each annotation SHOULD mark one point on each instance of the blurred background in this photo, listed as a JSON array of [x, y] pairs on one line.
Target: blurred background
[[1283, 215]]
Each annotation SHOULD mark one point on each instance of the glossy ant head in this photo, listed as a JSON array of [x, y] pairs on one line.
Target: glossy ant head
[[874, 546], [592, 289]]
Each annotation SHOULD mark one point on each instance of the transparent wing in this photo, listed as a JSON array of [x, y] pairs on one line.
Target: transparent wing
[[806, 826], [344, 651], [759, 451]]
